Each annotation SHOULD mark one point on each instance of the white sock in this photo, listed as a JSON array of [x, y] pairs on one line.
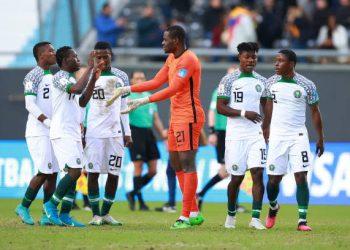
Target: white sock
[[193, 214], [183, 218]]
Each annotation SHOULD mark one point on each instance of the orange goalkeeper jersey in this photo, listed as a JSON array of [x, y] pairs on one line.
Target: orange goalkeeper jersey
[[184, 77]]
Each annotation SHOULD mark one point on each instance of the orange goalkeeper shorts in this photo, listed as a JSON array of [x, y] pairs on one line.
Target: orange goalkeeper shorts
[[184, 136]]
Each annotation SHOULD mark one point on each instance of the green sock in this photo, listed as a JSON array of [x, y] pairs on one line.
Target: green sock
[[68, 199], [303, 200], [272, 193], [256, 209], [107, 204], [29, 196], [62, 188], [94, 199]]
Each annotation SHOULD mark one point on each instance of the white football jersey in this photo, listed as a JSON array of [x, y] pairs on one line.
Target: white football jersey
[[243, 91], [38, 83], [66, 112], [290, 97], [102, 121]]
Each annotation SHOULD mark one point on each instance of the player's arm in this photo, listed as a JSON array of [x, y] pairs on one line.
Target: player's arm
[[212, 139], [160, 78], [125, 122], [267, 106], [318, 124], [30, 93], [80, 85], [95, 74], [158, 124]]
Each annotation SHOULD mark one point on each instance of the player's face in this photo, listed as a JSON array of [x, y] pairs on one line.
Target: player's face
[[103, 56], [73, 61], [282, 65], [168, 43], [49, 54], [138, 77], [248, 60]]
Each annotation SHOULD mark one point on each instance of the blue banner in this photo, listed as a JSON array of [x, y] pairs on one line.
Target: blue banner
[[329, 181]]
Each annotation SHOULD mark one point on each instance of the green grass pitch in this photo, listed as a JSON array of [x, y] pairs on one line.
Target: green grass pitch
[[150, 230]]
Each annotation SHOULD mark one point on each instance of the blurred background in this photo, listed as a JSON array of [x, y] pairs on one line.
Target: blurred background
[[318, 30]]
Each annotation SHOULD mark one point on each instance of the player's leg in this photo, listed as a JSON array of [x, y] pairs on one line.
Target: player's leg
[[300, 165], [94, 198], [22, 210], [69, 154], [145, 179], [48, 188], [115, 150], [232, 195], [137, 181], [258, 194]]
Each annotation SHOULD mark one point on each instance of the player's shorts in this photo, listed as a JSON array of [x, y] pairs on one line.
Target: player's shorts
[[220, 146], [242, 155], [68, 152], [144, 147], [184, 136], [42, 154], [104, 155], [288, 156]]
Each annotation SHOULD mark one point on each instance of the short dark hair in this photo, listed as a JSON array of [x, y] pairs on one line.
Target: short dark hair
[[103, 45], [136, 71], [105, 5], [62, 53], [289, 54], [177, 31], [37, 47], [248, 46]]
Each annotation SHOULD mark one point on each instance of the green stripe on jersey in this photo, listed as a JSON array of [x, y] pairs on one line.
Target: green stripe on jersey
[[30, 93], [69, 87]]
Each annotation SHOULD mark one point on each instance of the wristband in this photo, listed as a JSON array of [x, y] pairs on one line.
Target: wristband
[[47, 122], [242, 113], [211, 130]]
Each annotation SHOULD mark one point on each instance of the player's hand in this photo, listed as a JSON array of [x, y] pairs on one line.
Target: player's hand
[[164, 134], [96, 72], [91, 58], [319, 147], [117, 93], [135, 103], [253, 116], [127, 141], [266, 133], [213, 139]]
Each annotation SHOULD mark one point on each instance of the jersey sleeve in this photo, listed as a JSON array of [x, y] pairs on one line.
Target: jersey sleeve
[[183, 72], [268, 83], [224, 89], [312, 96], [31, 82], [212, 105], [263, 80], [63, 82]]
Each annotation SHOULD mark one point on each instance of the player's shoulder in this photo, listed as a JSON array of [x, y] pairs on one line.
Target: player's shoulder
[[231, 77], [35, 75], [303, 81], [120, 74], [61, 74], [259, 77], [190, 56], [272, 80]]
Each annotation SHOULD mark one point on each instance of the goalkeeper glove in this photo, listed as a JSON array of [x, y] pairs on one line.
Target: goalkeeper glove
[[117, 93], [133, 104]]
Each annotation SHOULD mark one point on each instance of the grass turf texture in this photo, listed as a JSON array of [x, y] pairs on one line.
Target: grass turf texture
[[150, 230]]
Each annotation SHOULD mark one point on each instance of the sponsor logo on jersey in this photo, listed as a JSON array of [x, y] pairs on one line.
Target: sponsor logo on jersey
[[49, 165], [238, 88], [297, 94], [272, 167], [258, 88], [182, 73]]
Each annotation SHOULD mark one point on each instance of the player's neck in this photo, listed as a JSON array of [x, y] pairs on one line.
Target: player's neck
[[245, 71], [44, 66], [179, 52], [289, 75]]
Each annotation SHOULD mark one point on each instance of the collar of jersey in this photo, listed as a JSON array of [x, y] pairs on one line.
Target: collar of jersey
[[246, 75], [287, 80], [47, 72], [107, 73]]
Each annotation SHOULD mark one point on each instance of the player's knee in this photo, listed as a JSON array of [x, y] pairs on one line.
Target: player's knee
[[300, 177], [152, 172], [74, 173]]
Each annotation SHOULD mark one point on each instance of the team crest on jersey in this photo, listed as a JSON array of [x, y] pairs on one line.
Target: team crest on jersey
[[49, 165], [78, 161], [90, 165], [272, 167], [182, 73], [234, 167], [258, 88], [297, 94]]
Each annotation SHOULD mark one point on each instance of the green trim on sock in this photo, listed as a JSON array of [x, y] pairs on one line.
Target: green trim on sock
[[231, 213], [256, 209], [303, 200], [29, 196], [107, 204], [94, 199]]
